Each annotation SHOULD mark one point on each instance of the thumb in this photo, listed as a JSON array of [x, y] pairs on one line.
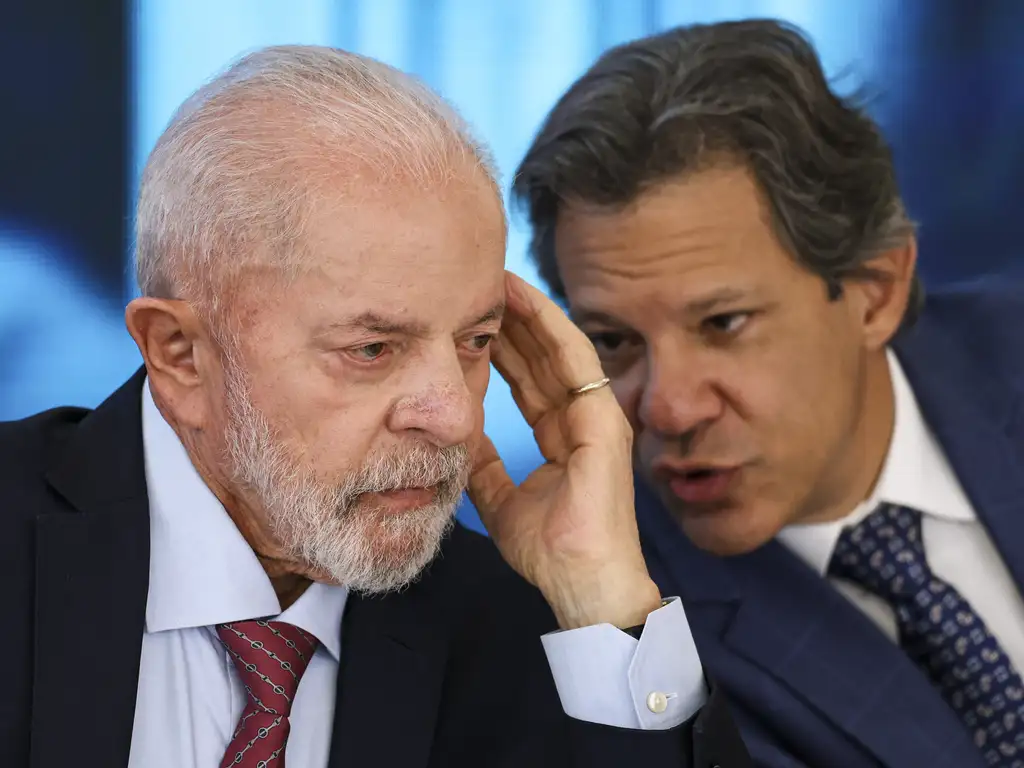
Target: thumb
[[489, 483]]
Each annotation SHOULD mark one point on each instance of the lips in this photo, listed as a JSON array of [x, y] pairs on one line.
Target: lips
[[697, 484], [401, 499]]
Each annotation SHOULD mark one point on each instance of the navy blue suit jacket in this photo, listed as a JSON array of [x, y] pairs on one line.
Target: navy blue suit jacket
[[811, 680]]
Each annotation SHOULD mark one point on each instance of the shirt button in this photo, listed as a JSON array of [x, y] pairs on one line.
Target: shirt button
[[657, 702]]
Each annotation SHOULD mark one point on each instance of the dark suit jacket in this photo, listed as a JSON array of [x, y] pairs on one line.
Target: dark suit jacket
[[811, 680], [450, 672]]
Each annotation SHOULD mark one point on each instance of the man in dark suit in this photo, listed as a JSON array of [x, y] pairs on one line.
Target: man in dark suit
[[247, 552], [834, 476]]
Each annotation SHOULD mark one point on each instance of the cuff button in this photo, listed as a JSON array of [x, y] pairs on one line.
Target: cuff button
[[657, 702]]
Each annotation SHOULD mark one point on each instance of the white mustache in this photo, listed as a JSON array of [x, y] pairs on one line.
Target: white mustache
[[420, 467]]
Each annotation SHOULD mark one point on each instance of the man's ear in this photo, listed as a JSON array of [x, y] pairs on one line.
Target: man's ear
[[881, 300], [177, 353]]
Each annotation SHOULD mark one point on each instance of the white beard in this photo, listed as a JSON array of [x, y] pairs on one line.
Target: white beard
[[331, 527]]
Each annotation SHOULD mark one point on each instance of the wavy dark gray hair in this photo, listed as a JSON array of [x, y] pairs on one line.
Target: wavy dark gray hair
[[752, 91]]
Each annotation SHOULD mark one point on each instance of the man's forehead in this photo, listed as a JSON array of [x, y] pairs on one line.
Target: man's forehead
[[715, 201], [368, 188], [411, 238]]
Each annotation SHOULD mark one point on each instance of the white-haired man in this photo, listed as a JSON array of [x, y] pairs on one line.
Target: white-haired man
[[320, 253]]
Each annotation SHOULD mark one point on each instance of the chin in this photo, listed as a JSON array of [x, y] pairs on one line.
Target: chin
[[377, 554], [406, 560]]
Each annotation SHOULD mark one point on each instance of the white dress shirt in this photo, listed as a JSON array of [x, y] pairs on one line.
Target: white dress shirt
[[917, 474], [203, 573]]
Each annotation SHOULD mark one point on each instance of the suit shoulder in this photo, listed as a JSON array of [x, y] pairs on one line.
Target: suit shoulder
[[28, 446], [35, 436], [983, 316], [988, 299]]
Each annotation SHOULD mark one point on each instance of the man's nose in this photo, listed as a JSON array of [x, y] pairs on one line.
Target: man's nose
[[678, 397], [439, 406]]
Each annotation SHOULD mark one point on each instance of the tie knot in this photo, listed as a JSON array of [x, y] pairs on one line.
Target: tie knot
[[271, 657], [884, 554]]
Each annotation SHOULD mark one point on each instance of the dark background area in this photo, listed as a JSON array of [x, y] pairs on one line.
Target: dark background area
[[65, 135], [957, 128], [76, 77]]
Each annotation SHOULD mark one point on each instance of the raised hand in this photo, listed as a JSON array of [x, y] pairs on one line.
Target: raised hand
[[570, 528]]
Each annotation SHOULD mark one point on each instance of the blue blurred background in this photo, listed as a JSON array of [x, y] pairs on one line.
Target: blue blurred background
[[88, 87]]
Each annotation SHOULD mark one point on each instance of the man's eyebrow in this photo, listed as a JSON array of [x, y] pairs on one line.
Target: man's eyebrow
[[700, 306], [579, 317], [707, 304], [494, 313], [375, 322]]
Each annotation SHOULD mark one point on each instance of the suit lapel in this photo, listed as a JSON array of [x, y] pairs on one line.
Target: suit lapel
[[92, 579], [841, 664], [394, 652], [829, 656]]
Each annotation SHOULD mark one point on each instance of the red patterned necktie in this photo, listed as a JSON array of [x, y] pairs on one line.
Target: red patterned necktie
[[271, 657]]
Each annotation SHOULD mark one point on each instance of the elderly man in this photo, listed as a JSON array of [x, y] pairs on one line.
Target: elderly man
[[247, 552], [840, 490]]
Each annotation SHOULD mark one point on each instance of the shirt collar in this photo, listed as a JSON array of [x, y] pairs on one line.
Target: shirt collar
[[915, 474], [202, 572]]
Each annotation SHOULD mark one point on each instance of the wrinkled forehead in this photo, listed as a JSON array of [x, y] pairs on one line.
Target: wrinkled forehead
[[686, 240], [432, 254]]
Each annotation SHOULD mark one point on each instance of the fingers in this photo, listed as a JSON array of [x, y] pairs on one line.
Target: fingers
[[515, 370], [558, 355], [489, 484], [595, 419], [543, 355]]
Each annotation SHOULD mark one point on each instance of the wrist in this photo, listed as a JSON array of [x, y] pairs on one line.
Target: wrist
[[622, 601]]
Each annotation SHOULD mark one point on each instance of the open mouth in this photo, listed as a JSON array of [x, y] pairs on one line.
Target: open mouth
[[702, 485]]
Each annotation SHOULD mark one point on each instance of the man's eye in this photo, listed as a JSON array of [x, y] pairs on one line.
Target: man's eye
[[369, 352], [607, 341], [480, 342], [727, 322]]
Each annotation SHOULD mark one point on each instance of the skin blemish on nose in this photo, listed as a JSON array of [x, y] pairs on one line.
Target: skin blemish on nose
[[444, 413], [436, 400]]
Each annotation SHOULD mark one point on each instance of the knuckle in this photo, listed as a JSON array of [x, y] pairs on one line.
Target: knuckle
[[563, 357]]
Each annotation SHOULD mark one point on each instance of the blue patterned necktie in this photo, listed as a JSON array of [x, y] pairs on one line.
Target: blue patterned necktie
[[938, 628]]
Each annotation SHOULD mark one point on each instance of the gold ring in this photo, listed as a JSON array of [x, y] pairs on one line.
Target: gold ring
[[591, 387]]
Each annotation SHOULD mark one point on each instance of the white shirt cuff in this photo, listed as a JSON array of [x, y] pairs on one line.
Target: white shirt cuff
[[604, 675]]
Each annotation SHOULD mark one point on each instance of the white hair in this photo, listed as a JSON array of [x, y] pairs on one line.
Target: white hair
[[233, 178]]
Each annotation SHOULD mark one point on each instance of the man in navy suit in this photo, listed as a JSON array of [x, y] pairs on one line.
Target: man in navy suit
[[834, 468]]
